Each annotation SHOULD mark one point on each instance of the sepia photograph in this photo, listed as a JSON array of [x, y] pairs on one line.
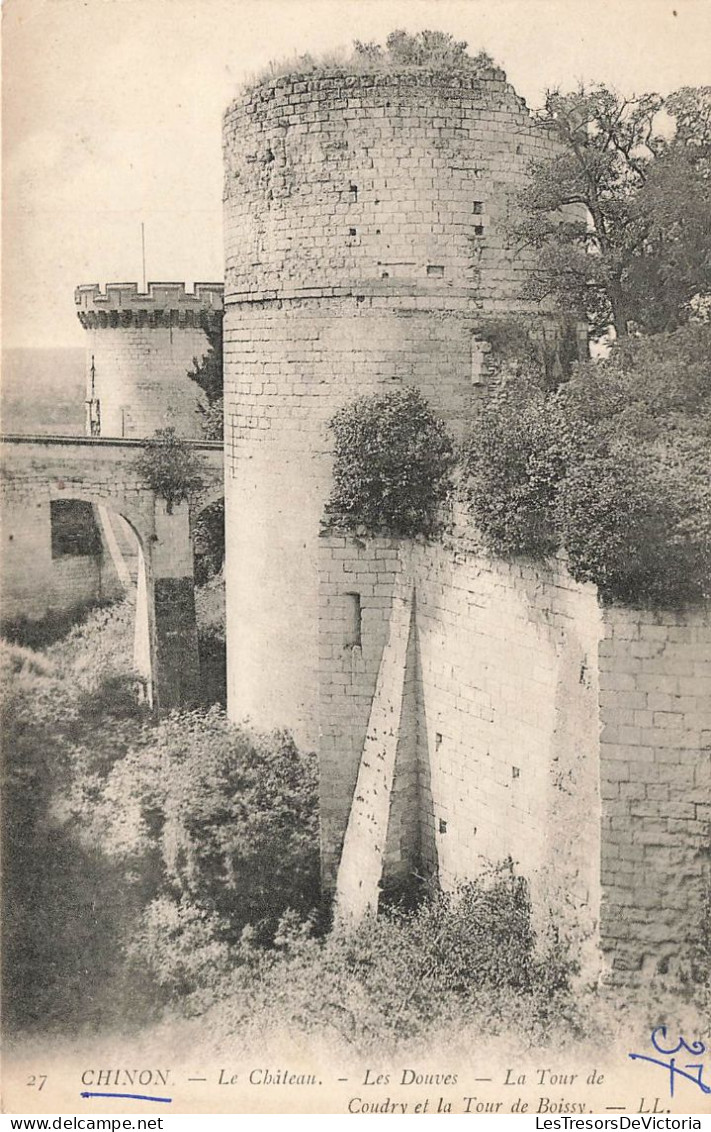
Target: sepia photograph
[[355, 574]]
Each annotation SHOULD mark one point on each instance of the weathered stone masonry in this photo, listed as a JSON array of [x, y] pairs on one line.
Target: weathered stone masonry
[[576, 739], [363, 251], [655, 771], [464, 709], [504, 735]]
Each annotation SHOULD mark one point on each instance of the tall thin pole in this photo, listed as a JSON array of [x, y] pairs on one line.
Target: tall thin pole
[[143, 252]]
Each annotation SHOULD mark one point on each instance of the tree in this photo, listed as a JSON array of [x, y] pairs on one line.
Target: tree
[[171, 467], [613, 467], [673, 209], [208, 373], [619, 217]]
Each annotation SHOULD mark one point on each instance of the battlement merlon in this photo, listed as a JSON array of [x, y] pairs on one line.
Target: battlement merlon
[[160, 305]]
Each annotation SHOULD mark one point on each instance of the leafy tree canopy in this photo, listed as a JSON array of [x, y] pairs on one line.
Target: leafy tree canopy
[[614, 467], [620, 217]]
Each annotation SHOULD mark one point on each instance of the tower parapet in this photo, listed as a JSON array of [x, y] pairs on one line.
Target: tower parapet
[[140, 348], [162, 304]]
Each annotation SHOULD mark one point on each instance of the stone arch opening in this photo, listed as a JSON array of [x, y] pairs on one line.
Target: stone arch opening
[[72, 550]]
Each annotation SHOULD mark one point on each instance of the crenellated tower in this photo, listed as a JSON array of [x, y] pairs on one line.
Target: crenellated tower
[[139, 350]]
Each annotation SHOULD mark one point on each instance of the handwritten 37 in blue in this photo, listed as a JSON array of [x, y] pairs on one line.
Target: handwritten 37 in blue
[[668, 1049]]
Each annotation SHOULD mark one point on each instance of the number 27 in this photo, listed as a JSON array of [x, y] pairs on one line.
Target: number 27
[[32, 1081]]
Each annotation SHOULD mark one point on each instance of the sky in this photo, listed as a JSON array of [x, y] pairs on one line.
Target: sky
[[112, 115]]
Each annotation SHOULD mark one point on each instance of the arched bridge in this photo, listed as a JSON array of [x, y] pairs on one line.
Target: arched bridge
[[39, 472]]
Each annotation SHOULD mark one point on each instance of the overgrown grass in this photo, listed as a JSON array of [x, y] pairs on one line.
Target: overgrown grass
[[456, 958], [64, 903], [402, 52], [39, 632]]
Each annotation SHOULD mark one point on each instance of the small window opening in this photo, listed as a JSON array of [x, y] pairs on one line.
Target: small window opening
[[354, 190], [478, 229], [352, 231], [384, 274], [377, 231], [478, 207], [438, 740], [354, 621], [435, 269], [442, 825], [515, 772]]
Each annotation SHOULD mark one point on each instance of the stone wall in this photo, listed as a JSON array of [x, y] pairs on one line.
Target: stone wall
[[506, 731], [35, 582], [655, 771], [574, 739], [364, 250]]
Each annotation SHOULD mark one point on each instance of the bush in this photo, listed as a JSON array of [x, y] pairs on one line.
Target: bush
[[170, 467], [69, 707], [431, 50], [513, 463], [393, 460], [613, 467], [231, 815], [181, 945], [457, 958], [618, 527]]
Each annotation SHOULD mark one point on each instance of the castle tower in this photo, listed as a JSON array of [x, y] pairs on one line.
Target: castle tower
[[139, 350], [363, 252]]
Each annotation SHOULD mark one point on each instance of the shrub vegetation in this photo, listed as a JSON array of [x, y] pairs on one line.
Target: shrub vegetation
[[613, 467], [393, 460], [189, 827], [208, 373], [427, 49], [170, 467]]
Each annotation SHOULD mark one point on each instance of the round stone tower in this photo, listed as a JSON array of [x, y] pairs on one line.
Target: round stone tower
[[139, 351], [363, 252]]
